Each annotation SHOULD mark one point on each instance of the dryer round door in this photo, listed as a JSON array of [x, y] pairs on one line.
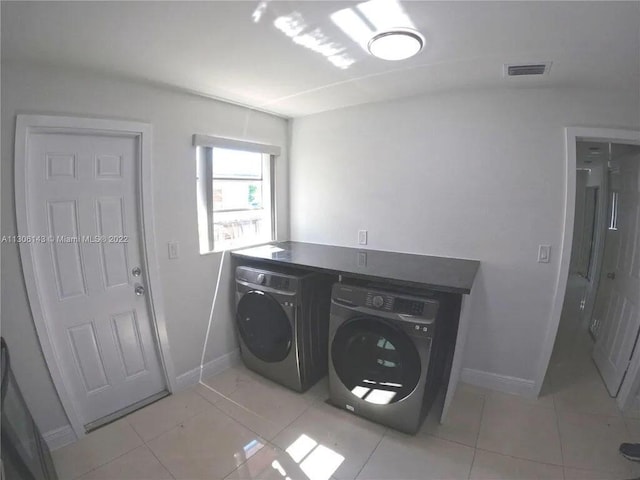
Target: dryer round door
[[375, 360], [264, 326]]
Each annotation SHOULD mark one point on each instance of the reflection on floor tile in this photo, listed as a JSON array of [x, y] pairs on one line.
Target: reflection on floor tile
[[493, 466], [95, 449], [136, 465], [352, 437], [209, 445], [271, 463], [405, 457]]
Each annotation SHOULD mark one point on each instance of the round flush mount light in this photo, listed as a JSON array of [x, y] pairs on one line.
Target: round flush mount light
[[396, 44]]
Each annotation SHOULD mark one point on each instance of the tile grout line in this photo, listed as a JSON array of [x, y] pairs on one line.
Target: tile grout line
[[525, 459], [159, 461], [475, 445], [145, 442], [126, 419], [556, 412], [267, 441], [173, 427], [114, 458], [264, 418], [217, 392], [194, 389], [561, 464], [371, 454]]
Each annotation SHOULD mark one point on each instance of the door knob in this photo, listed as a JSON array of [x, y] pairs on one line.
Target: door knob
[[139, 289], [611, 275], [136, 272]]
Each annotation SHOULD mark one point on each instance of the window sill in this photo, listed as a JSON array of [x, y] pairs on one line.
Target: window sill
[[238, 247]]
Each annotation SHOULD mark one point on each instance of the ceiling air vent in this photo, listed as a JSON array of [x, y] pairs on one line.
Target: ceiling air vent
[[528, 69]]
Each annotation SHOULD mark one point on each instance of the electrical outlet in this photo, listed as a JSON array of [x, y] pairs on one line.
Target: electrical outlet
[[544, 253], [362, 237], [174, 250]]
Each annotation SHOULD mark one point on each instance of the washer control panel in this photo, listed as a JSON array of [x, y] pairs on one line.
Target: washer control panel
[[418, 312], [402, 305]]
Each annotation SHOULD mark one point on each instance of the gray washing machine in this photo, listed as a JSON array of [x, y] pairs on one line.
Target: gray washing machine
[[383, 360], [282, 319]]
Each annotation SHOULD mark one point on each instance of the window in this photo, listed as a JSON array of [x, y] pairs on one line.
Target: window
[[235, 194]]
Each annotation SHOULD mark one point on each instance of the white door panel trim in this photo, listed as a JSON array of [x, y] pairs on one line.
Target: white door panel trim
[[573, 134], [26, 125]]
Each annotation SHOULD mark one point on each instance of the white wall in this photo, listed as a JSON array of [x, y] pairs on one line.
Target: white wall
[[475, 174], [189, 281]]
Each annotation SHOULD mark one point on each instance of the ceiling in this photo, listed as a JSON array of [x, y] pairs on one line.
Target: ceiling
[[291, 58]]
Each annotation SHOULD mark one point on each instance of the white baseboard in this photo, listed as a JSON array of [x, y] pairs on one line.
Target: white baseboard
[[501, 383], [190, 378], [60, 437]]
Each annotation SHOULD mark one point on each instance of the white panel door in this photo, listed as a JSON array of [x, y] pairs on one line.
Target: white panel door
[[619, 292], [83, 209]]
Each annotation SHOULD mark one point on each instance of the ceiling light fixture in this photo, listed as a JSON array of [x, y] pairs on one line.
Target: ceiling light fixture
[[396, 44]]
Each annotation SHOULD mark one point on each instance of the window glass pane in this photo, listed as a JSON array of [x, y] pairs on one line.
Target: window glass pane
[[236, 164], [236, 194], [235, 207], [233, 229]]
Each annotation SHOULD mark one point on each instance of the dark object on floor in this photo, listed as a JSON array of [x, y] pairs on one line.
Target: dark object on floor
[[630, 451]]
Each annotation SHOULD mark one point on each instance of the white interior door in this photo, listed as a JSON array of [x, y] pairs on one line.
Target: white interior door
[[82, 203], [616, 307]]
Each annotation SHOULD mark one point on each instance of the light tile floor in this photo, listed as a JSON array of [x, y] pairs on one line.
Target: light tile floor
[[263, 431], [259, 430]]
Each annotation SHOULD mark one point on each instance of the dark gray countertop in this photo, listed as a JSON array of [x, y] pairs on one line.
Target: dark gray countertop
[[443, 274]]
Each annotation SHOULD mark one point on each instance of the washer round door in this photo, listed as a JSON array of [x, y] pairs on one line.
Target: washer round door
[[375, 360], [264, 326]]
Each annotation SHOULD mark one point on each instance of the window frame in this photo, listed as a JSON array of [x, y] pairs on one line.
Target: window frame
[[205, 180]]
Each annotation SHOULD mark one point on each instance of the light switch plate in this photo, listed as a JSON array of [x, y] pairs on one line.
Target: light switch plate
[[174, 250], [544, 253], [362, 237]]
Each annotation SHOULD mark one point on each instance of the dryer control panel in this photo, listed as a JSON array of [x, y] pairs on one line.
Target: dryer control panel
[[264, 278]]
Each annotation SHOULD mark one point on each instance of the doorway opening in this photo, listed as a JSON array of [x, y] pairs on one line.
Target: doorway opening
[[600, 322]]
